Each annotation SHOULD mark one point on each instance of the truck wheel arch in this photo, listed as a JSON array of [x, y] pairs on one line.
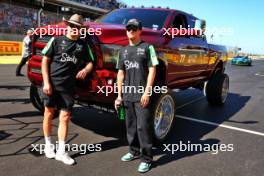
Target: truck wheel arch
[[218, 68], [161, 73]]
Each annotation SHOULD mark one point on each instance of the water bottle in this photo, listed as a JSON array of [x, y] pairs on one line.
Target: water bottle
[[121, 112]]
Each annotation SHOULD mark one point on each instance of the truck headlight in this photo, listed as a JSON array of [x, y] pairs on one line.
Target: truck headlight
[[110, 52]]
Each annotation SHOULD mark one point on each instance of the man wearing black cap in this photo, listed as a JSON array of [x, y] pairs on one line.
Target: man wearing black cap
[[62, 58], [137, 67]]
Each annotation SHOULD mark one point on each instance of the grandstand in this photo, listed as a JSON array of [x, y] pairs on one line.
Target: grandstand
[[16, 16]]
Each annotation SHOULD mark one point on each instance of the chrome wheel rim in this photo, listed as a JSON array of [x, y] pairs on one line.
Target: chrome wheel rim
[[225, 90], [164, 115]]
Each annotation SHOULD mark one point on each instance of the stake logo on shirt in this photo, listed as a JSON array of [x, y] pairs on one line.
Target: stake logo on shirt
[[131, 64], [67, 58]]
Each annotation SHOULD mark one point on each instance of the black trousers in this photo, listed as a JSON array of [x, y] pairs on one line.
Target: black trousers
[[139, 131], [21, 64]]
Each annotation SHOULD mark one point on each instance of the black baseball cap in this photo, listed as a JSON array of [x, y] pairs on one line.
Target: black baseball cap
[[135, 23]]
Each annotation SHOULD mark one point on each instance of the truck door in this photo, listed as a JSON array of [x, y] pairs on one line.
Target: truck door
[[185, 55], [200, 46]]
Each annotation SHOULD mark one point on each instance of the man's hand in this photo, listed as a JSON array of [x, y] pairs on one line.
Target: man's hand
[[47, 89], [82, 74], [118, 103], [144, 100]]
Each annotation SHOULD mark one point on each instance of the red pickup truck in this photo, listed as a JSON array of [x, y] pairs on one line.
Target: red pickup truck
[[184, 61]]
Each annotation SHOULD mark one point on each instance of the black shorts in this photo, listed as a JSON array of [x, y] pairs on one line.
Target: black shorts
[[59, 100]]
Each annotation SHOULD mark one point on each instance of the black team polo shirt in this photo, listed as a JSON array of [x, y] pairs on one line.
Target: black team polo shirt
[[135, 61], [66, 57]]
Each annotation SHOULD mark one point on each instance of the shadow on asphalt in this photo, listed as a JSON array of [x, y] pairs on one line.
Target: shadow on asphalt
[[21, 114], [14, 87], [105, 124], [17, 100], [9, 136], [4, 135], [108, 125], [193, 132], [185, 131]]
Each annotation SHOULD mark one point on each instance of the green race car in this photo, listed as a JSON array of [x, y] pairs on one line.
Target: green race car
[[241, 60]]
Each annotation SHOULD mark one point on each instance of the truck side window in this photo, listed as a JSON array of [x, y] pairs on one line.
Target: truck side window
[[179, 21], [200, 25]]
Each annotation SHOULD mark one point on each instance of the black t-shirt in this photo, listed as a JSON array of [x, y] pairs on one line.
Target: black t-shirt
[[66, 58], [135, 61]]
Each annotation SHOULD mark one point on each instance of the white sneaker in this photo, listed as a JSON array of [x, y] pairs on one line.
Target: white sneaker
[[49, 152], [65, 158]]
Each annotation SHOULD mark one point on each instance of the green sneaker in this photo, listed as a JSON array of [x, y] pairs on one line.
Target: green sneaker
[[144, 167], [128, 157]]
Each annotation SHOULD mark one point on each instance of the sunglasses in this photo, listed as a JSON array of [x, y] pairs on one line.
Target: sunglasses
[[134, 29], [74, 26]]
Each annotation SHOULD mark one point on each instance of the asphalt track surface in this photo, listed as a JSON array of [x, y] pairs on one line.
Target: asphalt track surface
[[240, 122]]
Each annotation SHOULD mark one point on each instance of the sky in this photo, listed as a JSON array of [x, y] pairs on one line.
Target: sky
[[244, 19]]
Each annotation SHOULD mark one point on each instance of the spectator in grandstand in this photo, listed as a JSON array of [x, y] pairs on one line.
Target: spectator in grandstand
[[17, 19], [104, 4], [26, 52]]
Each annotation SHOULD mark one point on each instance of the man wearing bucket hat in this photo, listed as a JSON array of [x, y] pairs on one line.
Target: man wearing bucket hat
[[137, 67], [62, 58]]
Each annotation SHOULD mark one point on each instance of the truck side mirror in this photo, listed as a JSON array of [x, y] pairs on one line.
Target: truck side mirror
[[203, 26]]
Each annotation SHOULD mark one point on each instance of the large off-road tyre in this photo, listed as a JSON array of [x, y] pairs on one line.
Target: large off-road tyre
[[35, 98], [217, 88]]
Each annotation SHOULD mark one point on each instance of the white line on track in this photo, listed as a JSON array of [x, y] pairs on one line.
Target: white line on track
[[221, 125], [259, 74]]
